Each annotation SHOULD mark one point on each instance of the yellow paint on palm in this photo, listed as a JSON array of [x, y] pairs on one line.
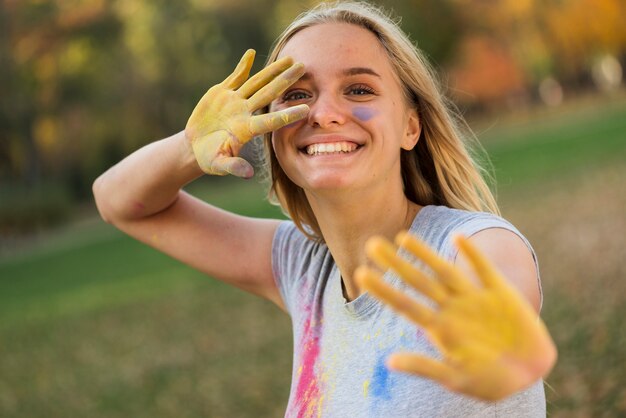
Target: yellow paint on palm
[[223, 120], [492, 341]]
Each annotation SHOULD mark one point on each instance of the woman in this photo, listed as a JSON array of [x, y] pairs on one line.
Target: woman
[[359, 144]]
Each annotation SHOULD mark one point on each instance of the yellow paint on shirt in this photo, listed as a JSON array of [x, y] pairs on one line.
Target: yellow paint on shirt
[[319, 408], [366, 386]]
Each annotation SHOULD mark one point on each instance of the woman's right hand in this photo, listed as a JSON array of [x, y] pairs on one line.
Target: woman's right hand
[[223, 120]]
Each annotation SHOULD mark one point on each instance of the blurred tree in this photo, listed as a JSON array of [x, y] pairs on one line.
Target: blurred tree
[[86, 81], [578, 31], [434, 25], [38, 90], [484, 72], [549, 38]]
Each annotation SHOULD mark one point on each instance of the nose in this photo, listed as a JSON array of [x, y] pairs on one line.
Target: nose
[[326, 112]]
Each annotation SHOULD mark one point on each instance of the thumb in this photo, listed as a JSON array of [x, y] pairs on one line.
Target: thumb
[[236, 166]]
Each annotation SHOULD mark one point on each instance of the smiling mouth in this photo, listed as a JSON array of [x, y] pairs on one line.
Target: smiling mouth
[[327, 148]]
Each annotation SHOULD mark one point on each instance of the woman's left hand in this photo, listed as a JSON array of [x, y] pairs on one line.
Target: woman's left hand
[[492, 341]]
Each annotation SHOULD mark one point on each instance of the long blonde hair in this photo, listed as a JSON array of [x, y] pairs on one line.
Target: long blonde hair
[[439, 170]]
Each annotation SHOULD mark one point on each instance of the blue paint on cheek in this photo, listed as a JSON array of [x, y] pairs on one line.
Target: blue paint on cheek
[[363, 113], [380, 386]]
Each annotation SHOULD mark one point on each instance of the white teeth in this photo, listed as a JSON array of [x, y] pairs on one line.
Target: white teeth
[[328, 148]]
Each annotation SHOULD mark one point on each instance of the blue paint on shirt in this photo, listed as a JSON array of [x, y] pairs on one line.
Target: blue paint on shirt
[[381, 382]]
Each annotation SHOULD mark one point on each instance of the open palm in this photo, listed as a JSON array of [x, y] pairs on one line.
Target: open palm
[[492, 341], [223, 121]]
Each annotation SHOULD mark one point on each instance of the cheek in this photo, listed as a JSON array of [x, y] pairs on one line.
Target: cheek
[[290, 126], [278, 145], [364, 113]]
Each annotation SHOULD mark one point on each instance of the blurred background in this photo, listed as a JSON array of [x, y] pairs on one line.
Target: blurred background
[[94, 324]]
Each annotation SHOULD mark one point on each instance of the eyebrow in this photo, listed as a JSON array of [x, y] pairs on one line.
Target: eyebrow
[[360, 70], [347, 72]]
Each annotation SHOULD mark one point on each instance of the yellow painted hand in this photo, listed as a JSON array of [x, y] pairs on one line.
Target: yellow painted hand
[[223, 120], [492, 341]]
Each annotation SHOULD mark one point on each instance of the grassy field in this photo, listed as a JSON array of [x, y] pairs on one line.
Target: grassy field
[[94, 324]]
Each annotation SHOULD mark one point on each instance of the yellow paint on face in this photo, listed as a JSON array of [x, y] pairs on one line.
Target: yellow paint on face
[[366, 386]]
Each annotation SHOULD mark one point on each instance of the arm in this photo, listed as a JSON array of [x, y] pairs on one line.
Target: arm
[[142, 194]]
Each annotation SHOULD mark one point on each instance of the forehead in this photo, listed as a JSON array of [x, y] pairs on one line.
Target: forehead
[[337, 45]]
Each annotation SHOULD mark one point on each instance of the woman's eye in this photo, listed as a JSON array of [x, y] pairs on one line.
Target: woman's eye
[[295, 95], [360, 90]]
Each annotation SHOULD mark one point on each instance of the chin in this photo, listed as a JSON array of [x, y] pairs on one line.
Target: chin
[[334, 182]]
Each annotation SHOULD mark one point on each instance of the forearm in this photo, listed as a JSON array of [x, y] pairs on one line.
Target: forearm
[[147, 181]]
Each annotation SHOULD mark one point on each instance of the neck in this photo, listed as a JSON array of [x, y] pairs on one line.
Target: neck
[[347, 223]]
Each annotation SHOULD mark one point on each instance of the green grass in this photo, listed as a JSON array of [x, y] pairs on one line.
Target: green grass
[[94, 267], [557, 145], [95, 324]]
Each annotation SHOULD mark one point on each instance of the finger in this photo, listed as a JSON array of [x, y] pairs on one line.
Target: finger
[[487, 273], [446, 272], [277, 86], [241, 72], [264, 76], [384, 254], [401, 303], [260, 124], [427, 367], [236, 166]]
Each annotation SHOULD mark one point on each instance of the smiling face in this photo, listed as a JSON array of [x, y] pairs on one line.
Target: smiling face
[[358, 120]]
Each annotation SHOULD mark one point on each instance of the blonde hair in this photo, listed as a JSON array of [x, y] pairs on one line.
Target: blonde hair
[[439, 170]]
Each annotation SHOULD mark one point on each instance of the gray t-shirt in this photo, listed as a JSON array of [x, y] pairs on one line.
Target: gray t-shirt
[[340, 347]]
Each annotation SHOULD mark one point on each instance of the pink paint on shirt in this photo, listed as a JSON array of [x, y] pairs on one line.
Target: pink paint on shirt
[[419, 333], [308, 390]]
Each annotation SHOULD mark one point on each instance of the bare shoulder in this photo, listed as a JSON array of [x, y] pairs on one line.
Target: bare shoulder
[[512, 257]]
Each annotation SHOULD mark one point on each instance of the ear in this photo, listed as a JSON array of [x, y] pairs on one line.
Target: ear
[[412, 131]]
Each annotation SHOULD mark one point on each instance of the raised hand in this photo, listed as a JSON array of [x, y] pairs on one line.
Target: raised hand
[[492, 341], [223, 120]]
